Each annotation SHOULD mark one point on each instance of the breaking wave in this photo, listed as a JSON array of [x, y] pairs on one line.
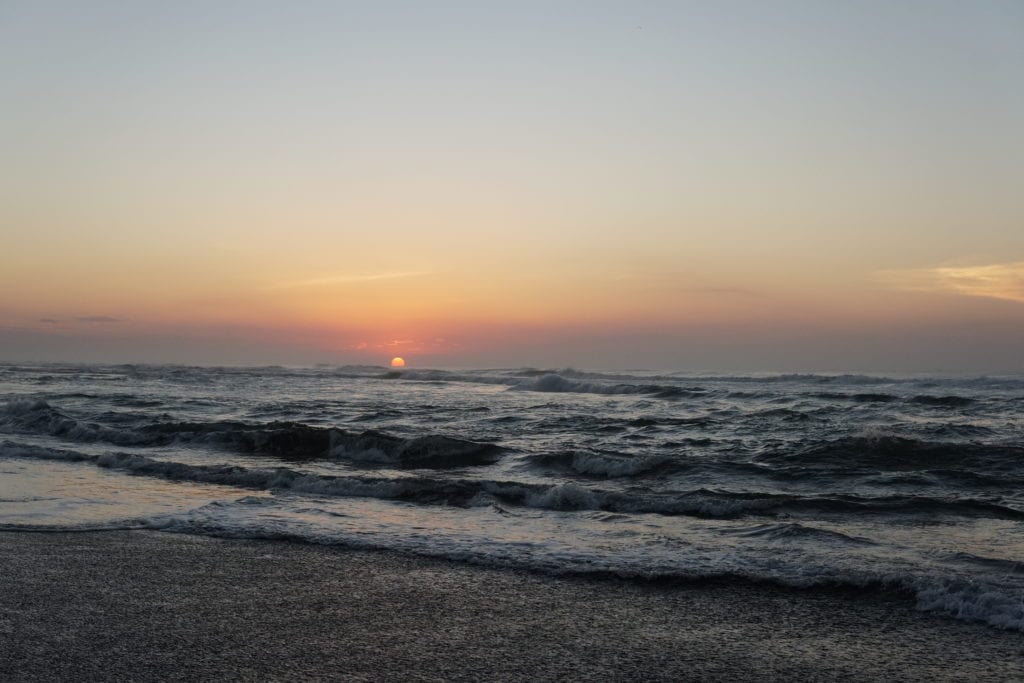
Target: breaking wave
[[935, 591], [602, 464]]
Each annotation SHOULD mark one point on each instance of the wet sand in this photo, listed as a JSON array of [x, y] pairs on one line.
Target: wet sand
[[134, 605]]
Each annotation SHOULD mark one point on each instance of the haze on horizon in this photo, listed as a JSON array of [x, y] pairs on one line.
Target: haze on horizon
[[729, 186]]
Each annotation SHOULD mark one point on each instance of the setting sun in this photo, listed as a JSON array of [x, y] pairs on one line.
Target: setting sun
[[397, 362]]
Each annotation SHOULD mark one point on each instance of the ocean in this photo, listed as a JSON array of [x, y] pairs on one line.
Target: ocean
[[913, 484]]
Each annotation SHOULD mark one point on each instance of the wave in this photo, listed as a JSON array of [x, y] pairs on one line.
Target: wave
[[121, 372], [942, 401], [783, 414], [896, 453], [598, 464], [610, 465], [563, 381], [988, 601], [703, 502], [427, 375], [856, 398], [432, 451], [34, 416], [970, 601], [569, 380], [287, 440], [555, 383]]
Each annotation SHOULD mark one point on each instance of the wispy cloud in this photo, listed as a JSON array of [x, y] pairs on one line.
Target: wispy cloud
[[347, 279], [994, 281]]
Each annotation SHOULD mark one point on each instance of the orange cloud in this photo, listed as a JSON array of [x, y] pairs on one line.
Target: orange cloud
[[995, 281]]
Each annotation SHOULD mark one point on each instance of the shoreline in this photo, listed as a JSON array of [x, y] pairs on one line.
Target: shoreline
[[146, 605]]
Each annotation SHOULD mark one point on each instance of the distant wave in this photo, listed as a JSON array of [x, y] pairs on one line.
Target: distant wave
[[856, 398], [559, 384], [569, 380], [122, 372]]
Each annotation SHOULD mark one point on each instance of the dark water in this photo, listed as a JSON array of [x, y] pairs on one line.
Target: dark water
[[914, 483]]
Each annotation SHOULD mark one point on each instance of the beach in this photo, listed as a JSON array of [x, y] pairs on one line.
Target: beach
[[143, 605]]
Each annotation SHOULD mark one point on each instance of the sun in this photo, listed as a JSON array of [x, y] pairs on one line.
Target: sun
[[397, 362]]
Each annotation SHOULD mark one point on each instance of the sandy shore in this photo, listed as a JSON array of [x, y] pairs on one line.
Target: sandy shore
[[151, 606]]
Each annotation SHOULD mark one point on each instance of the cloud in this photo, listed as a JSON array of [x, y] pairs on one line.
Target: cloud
[[49, 321], [98, 319], [994, 281], [347, 279]]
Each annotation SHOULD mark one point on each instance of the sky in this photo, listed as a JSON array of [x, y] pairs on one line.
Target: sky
[[696, 186]]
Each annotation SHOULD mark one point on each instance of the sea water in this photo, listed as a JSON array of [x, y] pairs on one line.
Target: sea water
[[908, 483]]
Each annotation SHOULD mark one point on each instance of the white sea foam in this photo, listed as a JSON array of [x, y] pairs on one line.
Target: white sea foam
[[561, 545]]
